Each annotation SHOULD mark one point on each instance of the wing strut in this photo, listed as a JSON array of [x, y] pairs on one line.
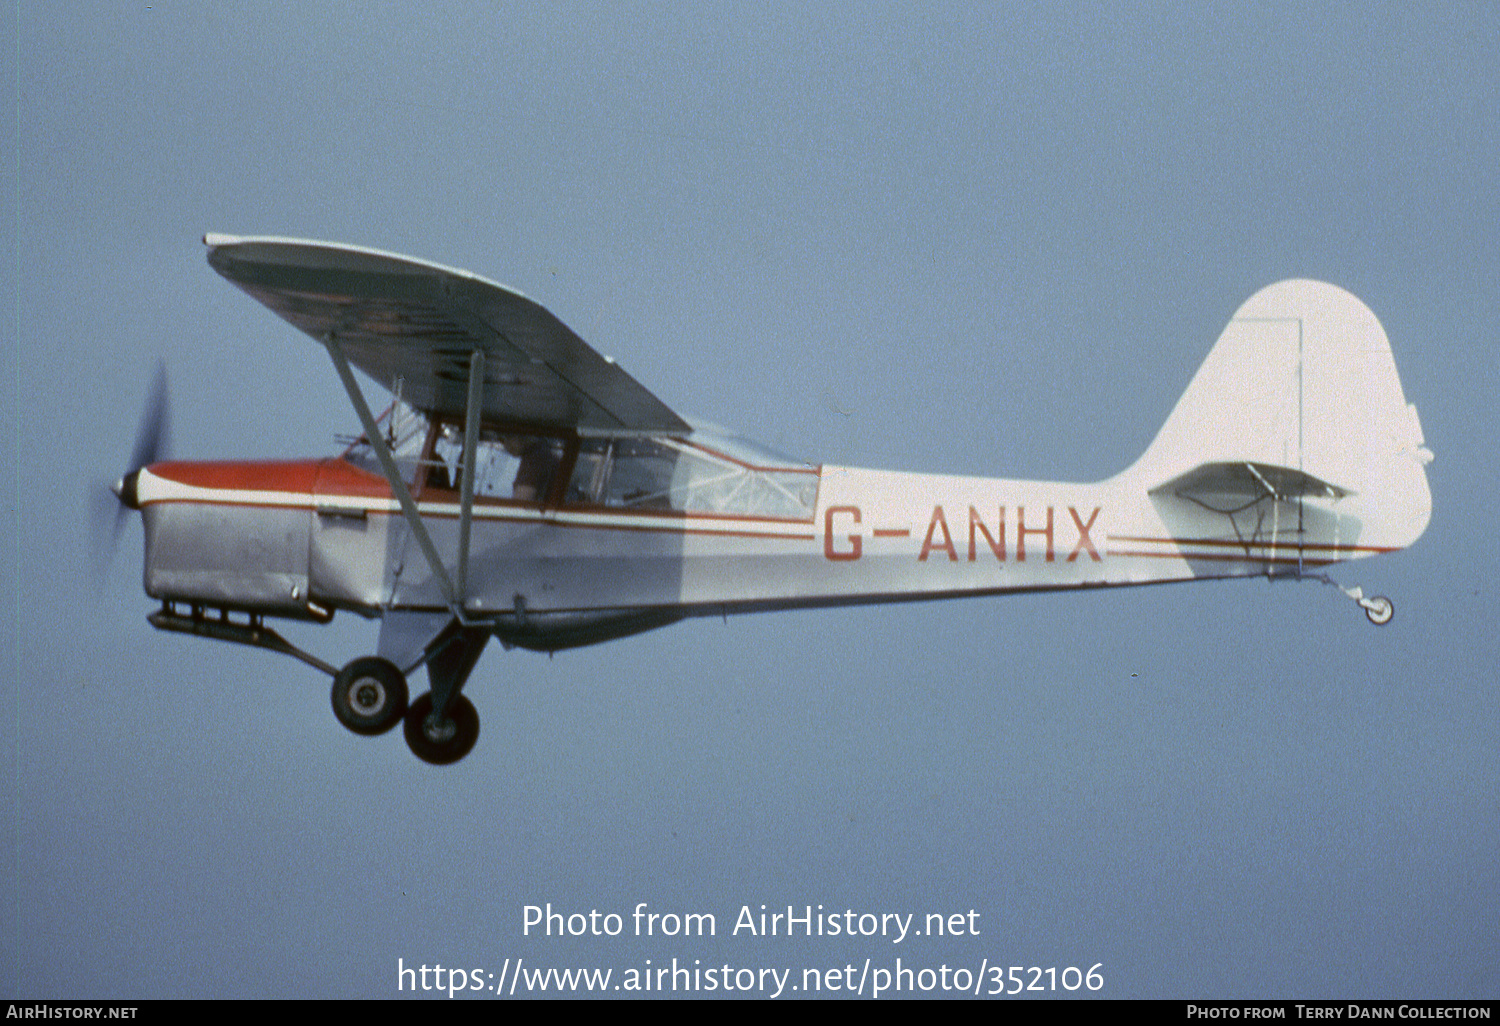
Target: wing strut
[[393, 477], [471, 446]]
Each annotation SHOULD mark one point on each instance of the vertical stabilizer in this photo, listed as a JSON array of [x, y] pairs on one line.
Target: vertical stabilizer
[[1303, 379]]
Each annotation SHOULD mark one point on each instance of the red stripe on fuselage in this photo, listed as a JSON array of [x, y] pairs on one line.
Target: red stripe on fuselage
[[330, 476]]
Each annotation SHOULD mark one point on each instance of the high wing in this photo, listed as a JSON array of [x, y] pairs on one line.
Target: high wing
[[396, 318]]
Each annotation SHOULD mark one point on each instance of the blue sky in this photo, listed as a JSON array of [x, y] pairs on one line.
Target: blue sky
[[982, 240]]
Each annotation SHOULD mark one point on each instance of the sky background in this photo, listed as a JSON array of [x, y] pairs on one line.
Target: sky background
[[976, 239]]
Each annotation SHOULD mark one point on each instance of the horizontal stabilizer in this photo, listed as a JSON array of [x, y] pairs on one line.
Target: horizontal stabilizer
[[1226, 487]]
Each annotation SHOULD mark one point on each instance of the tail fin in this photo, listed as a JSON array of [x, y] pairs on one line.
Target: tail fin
[[1300, 398]]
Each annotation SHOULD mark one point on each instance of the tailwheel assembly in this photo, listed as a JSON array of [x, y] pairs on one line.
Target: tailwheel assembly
[[1379, 610]]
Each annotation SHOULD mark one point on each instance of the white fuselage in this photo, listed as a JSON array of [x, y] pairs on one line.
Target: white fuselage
[[284, 538]]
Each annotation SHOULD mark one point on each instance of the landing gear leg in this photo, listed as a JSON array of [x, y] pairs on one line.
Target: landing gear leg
[[442, 726]]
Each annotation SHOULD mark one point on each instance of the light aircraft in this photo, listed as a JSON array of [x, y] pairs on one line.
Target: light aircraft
[[523, 487]]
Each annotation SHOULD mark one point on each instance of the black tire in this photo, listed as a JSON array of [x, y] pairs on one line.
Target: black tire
[[369, 695], [444, 746]]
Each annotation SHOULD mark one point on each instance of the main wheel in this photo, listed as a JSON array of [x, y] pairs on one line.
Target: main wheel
[[441, 743], [1380, 610], [369, 695]]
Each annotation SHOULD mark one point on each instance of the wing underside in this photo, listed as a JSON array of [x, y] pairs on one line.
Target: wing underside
[[399, 319]]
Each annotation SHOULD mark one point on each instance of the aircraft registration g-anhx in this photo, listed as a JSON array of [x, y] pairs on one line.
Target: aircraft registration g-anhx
[[523, 487]]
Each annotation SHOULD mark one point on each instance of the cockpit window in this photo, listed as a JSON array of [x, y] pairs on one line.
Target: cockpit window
[[709, 473]]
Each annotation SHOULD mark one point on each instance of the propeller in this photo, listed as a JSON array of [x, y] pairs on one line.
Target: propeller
[[152, 441]]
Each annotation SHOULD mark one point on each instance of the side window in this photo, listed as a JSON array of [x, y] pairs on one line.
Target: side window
[[506, 466], [590, 471], [661, 473], [634, 473], [640, 474]]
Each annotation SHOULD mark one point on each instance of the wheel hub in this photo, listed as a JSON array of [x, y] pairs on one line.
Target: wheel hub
[[369, 695], [439, 730]]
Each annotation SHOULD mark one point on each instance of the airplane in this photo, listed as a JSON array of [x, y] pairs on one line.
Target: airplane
[[523, 487]]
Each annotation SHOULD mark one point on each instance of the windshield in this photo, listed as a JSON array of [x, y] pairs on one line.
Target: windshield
[[405, 434]]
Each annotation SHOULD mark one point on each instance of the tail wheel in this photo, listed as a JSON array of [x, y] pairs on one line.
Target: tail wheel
[[1379, 610], [444, 741], [369, 695]]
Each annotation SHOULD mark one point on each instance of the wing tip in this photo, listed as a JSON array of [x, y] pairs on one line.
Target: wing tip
[[265, 245]]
